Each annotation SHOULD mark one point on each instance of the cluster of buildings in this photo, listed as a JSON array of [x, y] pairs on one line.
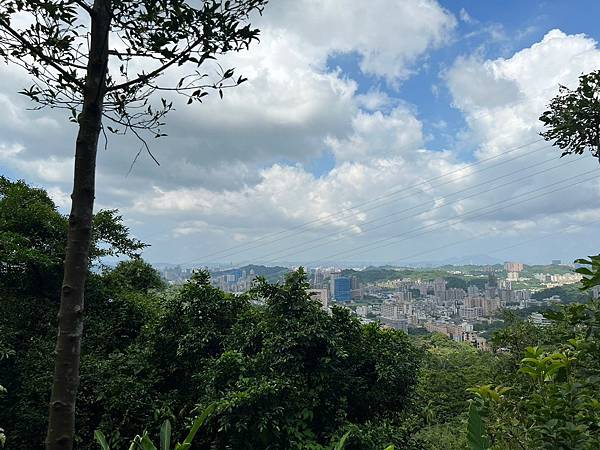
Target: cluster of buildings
[[176, 274], [433, 305], [235, 280], [513, 273], [459, 332], [449, 310], [551, 280], [230, 280], [335, 285], [434, 298]]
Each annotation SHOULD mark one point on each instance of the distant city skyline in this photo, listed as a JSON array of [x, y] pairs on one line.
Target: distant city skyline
[[397, 133]]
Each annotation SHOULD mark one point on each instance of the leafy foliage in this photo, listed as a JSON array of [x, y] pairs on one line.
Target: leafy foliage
[[553, 402], [281, 372], [568, 293], [573, 117], [145, 443], [33, 237], [2, 435], [591, 275], [449, 368], [163, 36], [284, 373], [476, 430]]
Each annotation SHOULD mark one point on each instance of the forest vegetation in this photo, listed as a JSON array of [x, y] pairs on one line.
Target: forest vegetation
[[93, 356], [274, 369]]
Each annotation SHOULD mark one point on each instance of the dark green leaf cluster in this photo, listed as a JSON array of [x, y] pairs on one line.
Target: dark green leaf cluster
[[281, 372], [33, 238], [591, 274], [573, 118], [552, 400], [284, 373]]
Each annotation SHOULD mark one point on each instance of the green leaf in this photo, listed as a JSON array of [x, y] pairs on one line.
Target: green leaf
[[342, 443], [183, 446], [146, 443], [165, 435], [198, 423], [476, 431], [99, 436], [582, 261]]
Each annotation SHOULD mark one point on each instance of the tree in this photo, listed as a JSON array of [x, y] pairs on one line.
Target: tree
[[283, 373], [32, 240], [69, 63], [135, 274], [32, 246], [573, 117]]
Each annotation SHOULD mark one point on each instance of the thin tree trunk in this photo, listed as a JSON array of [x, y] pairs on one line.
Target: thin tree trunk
[[61, 423]]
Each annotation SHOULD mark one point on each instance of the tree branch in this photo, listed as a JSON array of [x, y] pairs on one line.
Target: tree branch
[[155, 72], [85, 6], [36, 52]]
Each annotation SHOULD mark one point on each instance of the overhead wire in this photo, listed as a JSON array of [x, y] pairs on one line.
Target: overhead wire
[[420, 205], [486, 233], [270, 237], [320, 219], [373, 245]]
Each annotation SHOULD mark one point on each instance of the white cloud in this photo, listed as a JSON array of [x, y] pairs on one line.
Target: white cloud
[[465, 16], [388, 35], [60, 198], [377, 135], [10, 151], [236, 168], [503, 98]]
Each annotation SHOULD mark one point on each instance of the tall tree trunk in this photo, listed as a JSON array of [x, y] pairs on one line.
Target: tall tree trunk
[[61, 423]]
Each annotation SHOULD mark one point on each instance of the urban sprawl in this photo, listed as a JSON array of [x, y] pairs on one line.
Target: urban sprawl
[[461, 302]]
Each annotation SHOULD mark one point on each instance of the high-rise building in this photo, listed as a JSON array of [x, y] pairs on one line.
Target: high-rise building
[[455, 294], [512, 276], [318, 278], [439, 288], [492, 280], [396, 310], [357, 292], [342, 289], [513, 267], [472, 290], [403, 296]]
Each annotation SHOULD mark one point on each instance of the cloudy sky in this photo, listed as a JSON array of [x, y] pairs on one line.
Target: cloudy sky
[[387, 131]]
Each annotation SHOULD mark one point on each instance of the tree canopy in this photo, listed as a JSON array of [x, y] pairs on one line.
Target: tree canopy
[[573, 118]]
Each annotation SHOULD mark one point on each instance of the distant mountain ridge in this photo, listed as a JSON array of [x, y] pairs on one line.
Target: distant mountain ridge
[[470, 260]]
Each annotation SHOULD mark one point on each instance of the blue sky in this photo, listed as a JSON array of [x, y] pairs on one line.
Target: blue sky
[[493, 29], [348, 102]]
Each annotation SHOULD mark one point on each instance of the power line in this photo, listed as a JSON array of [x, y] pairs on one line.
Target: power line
[[373, 245], [303, 225], [408, 195], [300, 226], [462, 241], [270, 236], [303, 244]]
